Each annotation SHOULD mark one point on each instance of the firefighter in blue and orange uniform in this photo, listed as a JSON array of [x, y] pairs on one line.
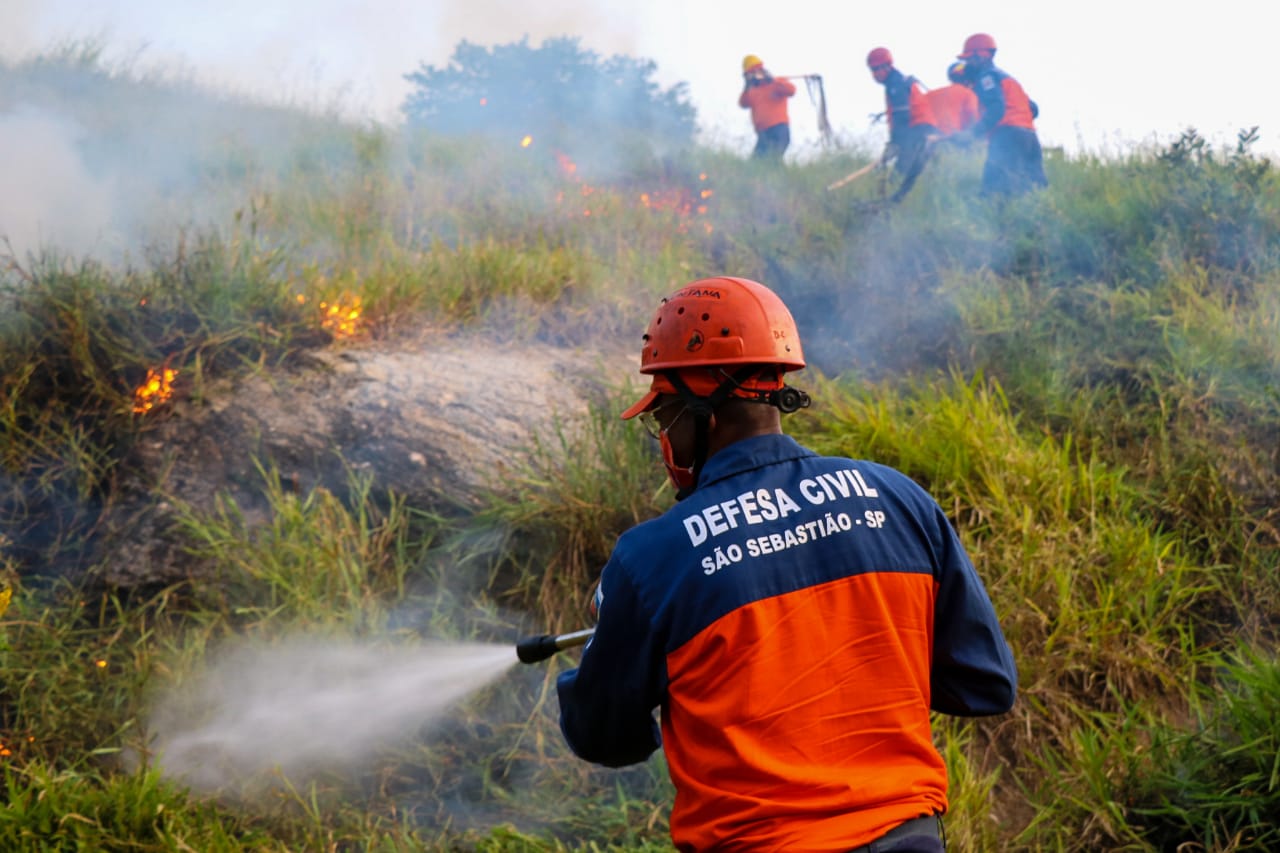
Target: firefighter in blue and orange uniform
[[794, 617], [766, 96], [910, 116], [1015, 163], [955, 106]]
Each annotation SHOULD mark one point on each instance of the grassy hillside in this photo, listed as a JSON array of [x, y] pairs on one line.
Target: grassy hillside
[[1087, 379]]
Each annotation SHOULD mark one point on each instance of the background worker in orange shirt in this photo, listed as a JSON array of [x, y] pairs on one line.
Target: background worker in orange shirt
[[1015, 163], [955, 106], [766, 96], [911, 121]]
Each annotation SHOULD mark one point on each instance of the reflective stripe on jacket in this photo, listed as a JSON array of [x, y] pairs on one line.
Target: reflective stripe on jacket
[[794, 619]]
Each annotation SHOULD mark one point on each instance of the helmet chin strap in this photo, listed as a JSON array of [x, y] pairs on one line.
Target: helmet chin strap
[[702, 408]]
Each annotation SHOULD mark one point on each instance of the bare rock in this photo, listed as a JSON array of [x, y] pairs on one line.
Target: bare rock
[[437, 421]]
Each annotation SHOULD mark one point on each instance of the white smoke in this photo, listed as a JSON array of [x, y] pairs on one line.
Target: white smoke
[[48, 193], [310, 706]]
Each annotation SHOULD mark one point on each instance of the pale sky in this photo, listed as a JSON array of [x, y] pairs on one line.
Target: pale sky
[[1107, 75]]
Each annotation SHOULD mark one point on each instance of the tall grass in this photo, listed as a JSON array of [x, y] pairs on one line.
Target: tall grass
[[1085, 378]]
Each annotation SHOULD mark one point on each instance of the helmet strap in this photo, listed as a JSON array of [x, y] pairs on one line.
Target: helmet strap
[[702, 409]]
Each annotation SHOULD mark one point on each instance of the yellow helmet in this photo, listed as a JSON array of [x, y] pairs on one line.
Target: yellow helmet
[[751, 61]]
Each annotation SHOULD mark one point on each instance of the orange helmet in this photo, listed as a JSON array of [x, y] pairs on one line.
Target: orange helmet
[[751, 61], [710, 326], [975, 43], [879, 56]]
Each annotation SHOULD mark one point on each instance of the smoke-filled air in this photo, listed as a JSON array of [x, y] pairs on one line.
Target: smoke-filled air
[[312, 456], [311, 706]]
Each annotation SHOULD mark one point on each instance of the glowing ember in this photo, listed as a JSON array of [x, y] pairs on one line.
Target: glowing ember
[[157, 389], [684, 203], [567, 165], [6, 751], [342, 317], [526, 142]]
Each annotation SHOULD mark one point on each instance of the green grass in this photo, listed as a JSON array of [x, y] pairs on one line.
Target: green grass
[[1085, 379]]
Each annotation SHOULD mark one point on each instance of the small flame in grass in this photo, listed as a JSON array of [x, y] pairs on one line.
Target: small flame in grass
[[685, 204], [157, 389], [567, 166], [526, 142], [341, 317], [6, 750]]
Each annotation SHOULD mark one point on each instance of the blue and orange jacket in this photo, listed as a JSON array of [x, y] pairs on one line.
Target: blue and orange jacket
[[794, 619], [768, 103], [905, 104], [955, 108], [1002, 102]]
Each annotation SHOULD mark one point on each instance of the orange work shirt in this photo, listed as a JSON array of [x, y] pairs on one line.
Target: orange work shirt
[[955, 108], [768, 103]]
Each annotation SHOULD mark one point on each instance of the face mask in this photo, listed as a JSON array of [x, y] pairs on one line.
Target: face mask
[[681, 478]]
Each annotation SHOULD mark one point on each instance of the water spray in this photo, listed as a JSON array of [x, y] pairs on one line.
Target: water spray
[[543, 646]]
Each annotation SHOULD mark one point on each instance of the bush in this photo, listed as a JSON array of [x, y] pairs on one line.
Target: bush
[[584, 105]]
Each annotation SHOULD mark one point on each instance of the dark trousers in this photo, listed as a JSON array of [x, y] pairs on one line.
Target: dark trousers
[[913, 154], [772, 142], [921, 835], [1015, 164]]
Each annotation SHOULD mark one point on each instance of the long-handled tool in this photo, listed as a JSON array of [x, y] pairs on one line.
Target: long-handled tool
[[818, 96], [853, 176], [543, 646]]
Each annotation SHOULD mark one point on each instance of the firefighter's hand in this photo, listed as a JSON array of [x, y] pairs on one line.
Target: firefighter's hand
[[594, 607]]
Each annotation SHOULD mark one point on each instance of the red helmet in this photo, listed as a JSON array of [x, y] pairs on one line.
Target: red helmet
[[879, 56], [975, 43], [713, 324]]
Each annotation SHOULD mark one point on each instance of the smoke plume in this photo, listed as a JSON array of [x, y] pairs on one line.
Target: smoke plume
[[311, 706]]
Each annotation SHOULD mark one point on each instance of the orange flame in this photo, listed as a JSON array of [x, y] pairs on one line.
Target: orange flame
[[157, 389], [342, 317], [567, 165], [681, 201]]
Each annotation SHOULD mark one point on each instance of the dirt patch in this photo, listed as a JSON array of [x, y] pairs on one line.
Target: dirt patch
[[436, 420]]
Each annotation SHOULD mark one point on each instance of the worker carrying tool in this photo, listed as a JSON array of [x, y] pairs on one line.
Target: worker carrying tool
[[795, 617], [766, 96], [1006, 119], [910, 116]]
